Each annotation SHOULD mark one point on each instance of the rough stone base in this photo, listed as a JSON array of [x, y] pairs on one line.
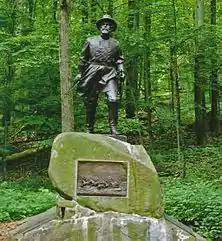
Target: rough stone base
[[131, 188], [119, 137], [83, 224]]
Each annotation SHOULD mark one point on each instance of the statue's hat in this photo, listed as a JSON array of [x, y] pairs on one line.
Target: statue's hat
[[107, 18]]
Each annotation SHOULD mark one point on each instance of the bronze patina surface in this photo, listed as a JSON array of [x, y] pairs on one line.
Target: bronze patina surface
[[101, 70], [102, 178]]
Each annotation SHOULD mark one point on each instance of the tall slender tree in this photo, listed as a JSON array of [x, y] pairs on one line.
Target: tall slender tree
[[85, 11], [199, 77], [214, 73], [11, 9], [65, 70], [175, 80], [110, 7], [132, 67], [147, 68], [93, 15], [31, 12], [55, 10]]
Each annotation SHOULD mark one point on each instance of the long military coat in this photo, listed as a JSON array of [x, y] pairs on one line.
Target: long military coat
[[98, 64]]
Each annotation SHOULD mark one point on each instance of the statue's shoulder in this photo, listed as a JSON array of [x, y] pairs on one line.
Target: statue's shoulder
[[92, 38], [114, 41]]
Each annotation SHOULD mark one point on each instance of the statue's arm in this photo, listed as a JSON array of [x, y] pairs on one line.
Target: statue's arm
[[119, 63], [84, 58]]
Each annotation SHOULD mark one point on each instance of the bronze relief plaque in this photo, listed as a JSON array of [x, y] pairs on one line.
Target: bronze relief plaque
[[102, 178]]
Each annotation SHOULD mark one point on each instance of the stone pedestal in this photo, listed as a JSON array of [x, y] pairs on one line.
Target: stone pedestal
[[105, 174], [108, 191], [83, 224]]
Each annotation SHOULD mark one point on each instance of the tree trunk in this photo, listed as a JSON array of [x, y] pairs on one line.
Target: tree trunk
[[55, 6], [7, 104], [199, 94], [175, 82], [31, 11], [85, 14], [214, 125], [110, 8], [65, 70], [93, 12], [24, 154], [172, 81], [175, 68], [147, 66], [132, 68]]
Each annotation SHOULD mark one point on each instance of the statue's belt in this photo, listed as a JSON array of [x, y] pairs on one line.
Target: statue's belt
[[111, 64]]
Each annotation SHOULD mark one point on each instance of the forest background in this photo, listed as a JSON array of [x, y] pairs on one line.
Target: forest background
[[170, 100]]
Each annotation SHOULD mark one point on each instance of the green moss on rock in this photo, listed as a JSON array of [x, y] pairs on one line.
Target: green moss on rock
[[137, 232]]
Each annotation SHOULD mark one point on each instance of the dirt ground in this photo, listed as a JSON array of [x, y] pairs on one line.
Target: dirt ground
[[5, 228]]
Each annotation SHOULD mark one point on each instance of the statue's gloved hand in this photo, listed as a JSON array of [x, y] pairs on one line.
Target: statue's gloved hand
[[77, 78], [121, 72]]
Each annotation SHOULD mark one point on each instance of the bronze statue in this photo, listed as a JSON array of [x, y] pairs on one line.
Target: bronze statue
[[100, 68]]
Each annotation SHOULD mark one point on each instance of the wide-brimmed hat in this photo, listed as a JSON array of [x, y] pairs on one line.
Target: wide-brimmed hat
[[107, 18]]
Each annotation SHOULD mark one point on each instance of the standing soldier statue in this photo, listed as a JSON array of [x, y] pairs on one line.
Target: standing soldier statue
[[101, 65]]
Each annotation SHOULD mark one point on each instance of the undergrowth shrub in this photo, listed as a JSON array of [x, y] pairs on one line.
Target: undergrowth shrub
[[196, 162], [23, 199], [195, 203]]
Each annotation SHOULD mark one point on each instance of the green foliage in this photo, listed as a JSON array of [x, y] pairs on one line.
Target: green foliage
[[35, 126], [30, 94], [196, 199], [204, 163], [44, 143], [195, 203], [29, 53], [6, 150], [24, 198], [164, 115]]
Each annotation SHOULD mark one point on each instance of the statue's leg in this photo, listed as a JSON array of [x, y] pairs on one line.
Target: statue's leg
[[113, 117], [90, 106], [111, 94]]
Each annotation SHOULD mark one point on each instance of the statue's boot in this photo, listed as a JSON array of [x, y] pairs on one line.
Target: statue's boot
[[90, 118], [113, 117]]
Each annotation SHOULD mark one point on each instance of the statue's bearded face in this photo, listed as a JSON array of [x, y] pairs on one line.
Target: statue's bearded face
[[106, 28]]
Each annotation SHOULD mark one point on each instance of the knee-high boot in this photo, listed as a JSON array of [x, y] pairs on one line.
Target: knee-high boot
[[90, 117], [113, 117]]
